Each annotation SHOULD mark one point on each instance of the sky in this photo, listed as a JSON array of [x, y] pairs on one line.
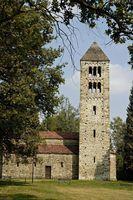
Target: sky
[[121, 76]]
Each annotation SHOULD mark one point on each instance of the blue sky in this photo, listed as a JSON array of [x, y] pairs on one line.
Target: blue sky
[[121, 75]]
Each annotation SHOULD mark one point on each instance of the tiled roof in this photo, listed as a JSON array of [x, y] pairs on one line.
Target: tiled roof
[[56, 135], [94, 53], [57, 149]]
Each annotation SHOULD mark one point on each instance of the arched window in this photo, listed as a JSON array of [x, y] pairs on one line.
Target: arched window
[[94, 87], [99, 87], [90, 71], [94, 71], [99, 71], [90, 87]]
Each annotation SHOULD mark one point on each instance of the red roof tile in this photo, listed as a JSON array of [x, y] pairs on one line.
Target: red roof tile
[[57, 149], [60, 136]]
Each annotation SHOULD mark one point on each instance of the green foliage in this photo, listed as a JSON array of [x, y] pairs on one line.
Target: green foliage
[[118, 130], [65, 120], [130, 48], [128, 139], [28, 80], [117, 14]]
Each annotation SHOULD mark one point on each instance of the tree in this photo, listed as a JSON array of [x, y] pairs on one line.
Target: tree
[[130, 48], [128, 140], [65, 120], [118, 129], [29, 81], [117, 14]]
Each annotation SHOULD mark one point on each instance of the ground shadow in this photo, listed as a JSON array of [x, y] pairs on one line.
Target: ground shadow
[[18, 197], [50, 199], [103, 168], [12, 183]]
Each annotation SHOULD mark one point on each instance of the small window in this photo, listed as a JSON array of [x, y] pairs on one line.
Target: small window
[[90, 87], [94, 110], [17, 164], [94, 133], [99, 87], [94, 71], [61, 164], [99, 71], [94, 159], [94, 87], [90, 71]]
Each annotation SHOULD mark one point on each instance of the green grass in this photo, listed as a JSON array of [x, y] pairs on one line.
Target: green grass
[[71, 190]]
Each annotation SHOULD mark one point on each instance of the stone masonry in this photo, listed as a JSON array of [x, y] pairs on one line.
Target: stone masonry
[[63, 166], [94, 140]]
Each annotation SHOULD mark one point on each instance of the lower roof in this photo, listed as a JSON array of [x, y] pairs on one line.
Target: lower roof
[[58, 135], [58, 149]]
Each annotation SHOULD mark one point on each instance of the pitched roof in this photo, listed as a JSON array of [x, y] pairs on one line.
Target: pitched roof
[[57, 149], [94, 53], [57, 135]]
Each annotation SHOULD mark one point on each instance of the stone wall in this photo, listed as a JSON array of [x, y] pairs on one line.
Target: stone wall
[[112, 166], [94, 151], [62, 167]]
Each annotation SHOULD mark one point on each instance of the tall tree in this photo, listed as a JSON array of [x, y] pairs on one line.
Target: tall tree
[[118, 130], [65, 120], [128, 140], [130, 48], [29, 81], [117, 14]]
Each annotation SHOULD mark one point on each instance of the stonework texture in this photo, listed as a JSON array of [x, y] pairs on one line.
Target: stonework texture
[[62, 167], [112, 166], [94, 140]]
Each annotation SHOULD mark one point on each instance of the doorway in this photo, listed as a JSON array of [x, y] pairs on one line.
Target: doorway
[[48, 172]]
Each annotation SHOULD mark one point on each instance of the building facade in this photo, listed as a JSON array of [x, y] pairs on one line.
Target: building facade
[[85, 155], [57, 158], [94, 143]]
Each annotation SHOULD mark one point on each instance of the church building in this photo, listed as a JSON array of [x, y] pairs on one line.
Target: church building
[[85, 155]]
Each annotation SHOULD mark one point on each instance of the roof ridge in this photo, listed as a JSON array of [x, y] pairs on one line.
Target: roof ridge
[[94, 53]]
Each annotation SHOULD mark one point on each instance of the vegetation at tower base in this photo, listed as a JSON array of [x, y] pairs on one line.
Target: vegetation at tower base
[[117, 14], [65, 120], [128, 140], [118, 130], [28, 80]]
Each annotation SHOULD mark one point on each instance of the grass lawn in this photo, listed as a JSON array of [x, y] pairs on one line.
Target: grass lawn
[[59, 190]]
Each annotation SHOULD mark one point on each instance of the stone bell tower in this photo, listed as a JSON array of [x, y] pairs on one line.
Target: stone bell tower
[[94, 142]]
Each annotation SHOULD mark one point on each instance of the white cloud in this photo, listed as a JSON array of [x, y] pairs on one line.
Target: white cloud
[[120, 85], [120, 79]]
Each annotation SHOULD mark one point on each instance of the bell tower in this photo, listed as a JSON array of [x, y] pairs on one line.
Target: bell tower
[[94, 140]]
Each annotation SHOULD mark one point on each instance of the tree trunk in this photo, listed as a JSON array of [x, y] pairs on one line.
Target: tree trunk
[[1, 158]]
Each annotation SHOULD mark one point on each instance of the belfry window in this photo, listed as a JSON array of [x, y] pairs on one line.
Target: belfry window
[[99, 71], [90, 71], [99, 87], [90, 87], [94, 87], [94, 71], [94, 110]]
